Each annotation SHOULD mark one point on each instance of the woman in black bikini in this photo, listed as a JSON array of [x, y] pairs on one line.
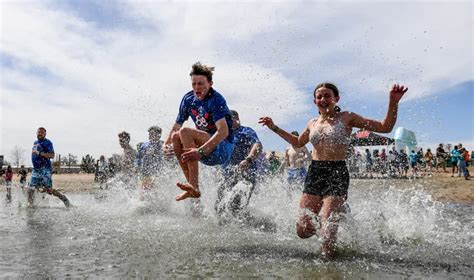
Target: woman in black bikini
[[325, 187]]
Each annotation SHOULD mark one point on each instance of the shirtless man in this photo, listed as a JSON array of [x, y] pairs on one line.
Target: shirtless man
[[296, 160]]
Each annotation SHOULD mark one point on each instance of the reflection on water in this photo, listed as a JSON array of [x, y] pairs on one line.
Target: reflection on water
[[391, 232]]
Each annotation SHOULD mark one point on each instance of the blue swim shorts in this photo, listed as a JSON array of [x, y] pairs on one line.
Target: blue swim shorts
[[296, 175], [41, 178], [221, 154]]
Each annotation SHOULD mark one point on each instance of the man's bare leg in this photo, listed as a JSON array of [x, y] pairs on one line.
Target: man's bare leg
[[178, 151], [59, 195], [191, 138]]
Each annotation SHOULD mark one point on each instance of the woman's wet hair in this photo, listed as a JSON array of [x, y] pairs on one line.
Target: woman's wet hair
[[334, 89]]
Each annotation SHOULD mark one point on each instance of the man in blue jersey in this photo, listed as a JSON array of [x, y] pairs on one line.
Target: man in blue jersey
[[243, 165], [212, 141], [149, 159], [41, 156]]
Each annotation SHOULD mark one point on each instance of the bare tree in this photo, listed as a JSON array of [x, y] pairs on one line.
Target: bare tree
[[17, 155], [69, 160]]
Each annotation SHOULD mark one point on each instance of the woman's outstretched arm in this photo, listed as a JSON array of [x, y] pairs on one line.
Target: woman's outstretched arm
[[385, 126], [296, 141]]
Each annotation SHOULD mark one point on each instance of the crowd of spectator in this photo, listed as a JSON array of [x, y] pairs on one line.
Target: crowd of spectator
[[415, 163]]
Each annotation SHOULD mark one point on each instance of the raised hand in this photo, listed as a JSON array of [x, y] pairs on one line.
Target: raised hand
[[268, 122], [397, 92]]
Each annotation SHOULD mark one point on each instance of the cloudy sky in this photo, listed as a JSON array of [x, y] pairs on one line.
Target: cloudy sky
[[87, 70]]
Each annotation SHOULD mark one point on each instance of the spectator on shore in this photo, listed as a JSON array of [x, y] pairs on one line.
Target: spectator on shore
[[428, 159], [403, 163], [413, 163], [383, 162], [455, 155], [441, 157], [392, 163], [368, 163], [464, 155]]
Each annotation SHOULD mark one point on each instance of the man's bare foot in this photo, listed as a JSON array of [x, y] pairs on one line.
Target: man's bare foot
[[189, 191]]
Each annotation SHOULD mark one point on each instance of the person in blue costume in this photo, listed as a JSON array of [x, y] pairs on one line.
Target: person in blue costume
[[41, 156], [211, 142], [327, 182], [149, 159], [243, 166]]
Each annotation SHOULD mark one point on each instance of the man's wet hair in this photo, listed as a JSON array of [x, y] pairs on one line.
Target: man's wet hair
[[42, 128], [234, 113], [124, 135], [201, 69], [295, 133], [155, 128]]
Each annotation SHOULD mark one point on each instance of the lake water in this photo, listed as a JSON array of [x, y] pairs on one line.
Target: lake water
[[393, 231]]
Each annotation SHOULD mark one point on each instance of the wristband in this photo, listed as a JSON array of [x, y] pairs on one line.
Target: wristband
[[201, 152], [275, 128], [39, 154]]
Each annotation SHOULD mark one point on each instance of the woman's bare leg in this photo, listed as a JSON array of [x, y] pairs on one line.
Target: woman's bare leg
[[332, 206], [305, 227]]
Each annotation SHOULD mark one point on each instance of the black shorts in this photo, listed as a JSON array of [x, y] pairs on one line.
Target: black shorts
[[327, 178]]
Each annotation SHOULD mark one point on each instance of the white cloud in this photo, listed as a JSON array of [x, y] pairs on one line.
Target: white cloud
[[107, 80]]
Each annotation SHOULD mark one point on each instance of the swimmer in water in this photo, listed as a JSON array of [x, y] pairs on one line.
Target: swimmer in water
[[327, 182]]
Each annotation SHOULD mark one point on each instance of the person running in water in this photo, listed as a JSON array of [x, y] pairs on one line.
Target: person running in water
[[296, 159], [127, 161], [149, 159], [8, 182], [327, 182], [23, 173], [211, 142], [41, 156], [243, 165]]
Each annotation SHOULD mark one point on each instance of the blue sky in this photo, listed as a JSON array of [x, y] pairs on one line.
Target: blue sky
[[87, 70]]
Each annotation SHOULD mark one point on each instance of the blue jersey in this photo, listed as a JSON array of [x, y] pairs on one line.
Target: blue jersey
[[244, 138], [205, 113], [413, 157], [149, 158], [43, 146], [455, 155]]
